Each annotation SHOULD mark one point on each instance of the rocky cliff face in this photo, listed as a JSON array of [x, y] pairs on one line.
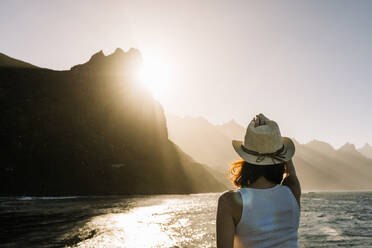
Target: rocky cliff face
[[89, 130]]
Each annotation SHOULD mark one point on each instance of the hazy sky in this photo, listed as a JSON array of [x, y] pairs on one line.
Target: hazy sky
[[306, 64]]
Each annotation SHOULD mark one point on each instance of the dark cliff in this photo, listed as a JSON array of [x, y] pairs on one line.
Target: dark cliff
[[89, 130]]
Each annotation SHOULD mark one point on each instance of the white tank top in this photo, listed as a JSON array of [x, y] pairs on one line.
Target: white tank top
[[270, 218]]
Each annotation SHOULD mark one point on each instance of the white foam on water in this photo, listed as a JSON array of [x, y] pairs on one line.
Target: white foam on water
[[332, 233]]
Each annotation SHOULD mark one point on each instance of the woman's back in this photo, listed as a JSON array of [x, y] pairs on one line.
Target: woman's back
[[270, 218], [265, 211]]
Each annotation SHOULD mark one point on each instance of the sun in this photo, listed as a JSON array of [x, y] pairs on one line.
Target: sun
[[155, 75]]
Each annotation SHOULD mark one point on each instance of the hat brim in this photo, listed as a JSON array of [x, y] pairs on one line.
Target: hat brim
[[289, 151]]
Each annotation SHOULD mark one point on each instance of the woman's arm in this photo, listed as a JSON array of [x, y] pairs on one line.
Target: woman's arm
[[292, 181], [225, 226]]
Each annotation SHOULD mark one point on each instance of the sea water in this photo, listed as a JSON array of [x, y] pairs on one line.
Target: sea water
[[328, 219]]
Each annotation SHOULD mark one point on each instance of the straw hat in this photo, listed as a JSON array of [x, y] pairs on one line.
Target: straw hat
[[263, 144]]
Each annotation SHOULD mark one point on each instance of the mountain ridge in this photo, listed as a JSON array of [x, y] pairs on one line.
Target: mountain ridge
[[319, 166], [9, 62], [82, 132], [366, 150]]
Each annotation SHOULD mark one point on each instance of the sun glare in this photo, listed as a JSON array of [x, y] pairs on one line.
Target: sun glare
[[155, 76]]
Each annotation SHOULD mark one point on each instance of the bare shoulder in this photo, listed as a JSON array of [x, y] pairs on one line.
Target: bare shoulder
[[230, 198], [231, 202]]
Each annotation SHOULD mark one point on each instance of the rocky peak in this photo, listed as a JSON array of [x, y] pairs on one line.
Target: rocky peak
[[120, 51], [118, 63], [95, 58], [232, 129], [97, 55], [348, 147], [366, 150], [320, 146], [231, 123]]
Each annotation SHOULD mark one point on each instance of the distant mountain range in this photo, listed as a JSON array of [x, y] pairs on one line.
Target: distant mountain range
[[319, 165], [205, 142], [89, 130]]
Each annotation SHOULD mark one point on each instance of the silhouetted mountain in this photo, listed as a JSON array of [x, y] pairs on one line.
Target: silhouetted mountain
[[90, 130], [319, 166], [366, 150], [6, 61]]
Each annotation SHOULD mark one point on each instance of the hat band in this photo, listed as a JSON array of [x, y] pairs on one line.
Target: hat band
[[278, 154]]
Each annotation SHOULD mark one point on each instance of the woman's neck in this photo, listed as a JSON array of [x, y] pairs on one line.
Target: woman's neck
[[261, 183]]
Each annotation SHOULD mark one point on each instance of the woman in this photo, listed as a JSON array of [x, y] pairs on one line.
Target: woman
[[264, 211]]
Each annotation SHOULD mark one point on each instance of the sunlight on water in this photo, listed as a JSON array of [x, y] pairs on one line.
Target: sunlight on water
[[140, 227], [327, 220], [166, 224], [331, 233]]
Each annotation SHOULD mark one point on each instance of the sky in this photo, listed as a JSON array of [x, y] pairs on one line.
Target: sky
[[305, 64]]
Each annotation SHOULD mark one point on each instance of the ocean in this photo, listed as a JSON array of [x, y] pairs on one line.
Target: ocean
[[328, 219]]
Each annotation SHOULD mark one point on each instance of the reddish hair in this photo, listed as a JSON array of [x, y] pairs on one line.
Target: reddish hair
[[242, 173]]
